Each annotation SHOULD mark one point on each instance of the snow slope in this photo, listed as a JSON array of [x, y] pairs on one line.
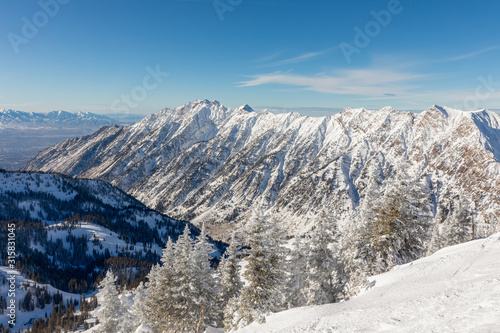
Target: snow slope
[[457, 289], [22, 317], [107, 239]]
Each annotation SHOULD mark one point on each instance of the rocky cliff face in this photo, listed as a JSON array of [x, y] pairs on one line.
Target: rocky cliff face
[[207, 163]]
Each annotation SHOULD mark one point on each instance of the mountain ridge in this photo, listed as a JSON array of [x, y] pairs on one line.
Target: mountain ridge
[[19, 119], [208, 163]]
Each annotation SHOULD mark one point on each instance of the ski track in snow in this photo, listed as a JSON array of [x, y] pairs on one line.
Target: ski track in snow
[[457, 289]]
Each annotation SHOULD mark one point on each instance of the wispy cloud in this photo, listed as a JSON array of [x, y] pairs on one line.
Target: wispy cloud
[[269, 57], [270, 60], [473, 54], [301, 58], [363, 82]]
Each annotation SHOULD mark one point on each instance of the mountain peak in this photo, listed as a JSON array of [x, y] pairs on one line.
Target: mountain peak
[[246, 108]]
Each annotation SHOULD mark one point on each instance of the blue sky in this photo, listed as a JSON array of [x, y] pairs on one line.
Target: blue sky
[[312, 56]]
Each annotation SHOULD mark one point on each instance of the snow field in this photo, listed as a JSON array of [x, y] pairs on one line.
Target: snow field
[[457, 289]]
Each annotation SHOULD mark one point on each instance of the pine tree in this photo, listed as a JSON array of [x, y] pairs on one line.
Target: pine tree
[[295, 295], [205, 284], [264, 272], [394, 228], [355, 274], [127, 319], [231, 283], [323, 267], [182, 292], [109, 312], [157, 308], [138, 307], [183, 302], [459, 224], [436, 239]]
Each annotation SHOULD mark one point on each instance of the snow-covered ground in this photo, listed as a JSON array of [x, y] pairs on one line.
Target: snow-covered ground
[[23, 317], [457, 289], [107, 239]]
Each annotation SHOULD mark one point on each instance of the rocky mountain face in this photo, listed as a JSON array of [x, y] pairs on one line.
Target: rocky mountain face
[[204, 162]]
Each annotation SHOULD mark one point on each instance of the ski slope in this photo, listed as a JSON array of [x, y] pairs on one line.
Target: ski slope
[[457, 289]]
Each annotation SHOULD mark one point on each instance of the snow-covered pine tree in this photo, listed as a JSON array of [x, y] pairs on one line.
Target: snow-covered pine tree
[[137, 309], [355, 274], [109, 312], [396, 226], [230, 280], [436, 240], [295, 295], [264, 271], [458, 226], [158, 306], [205, 286], [184, 313], [127, 322], [323, 267], [181, 293], [354, 239]]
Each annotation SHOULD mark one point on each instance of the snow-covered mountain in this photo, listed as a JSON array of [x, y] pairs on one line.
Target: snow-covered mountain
[[20, 119], [208, 163], [69, 227], [457, 289]]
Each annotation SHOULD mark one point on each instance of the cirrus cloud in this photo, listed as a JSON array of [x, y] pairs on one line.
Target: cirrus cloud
[[364, 82]]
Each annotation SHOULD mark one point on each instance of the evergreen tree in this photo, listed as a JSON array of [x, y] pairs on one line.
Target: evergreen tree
[[183, 317], [295, 295], [127, 319], [182, 292], [231, 283], [323, 266], [109, 312], [355, 274], [394, 228], [157, 308], [264, 272], [138, 307], [205, 286], [459, 225], [436, 240]]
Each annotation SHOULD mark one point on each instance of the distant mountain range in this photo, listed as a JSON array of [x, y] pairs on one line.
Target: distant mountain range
[[205, 162], [24, 134], [20, 119]]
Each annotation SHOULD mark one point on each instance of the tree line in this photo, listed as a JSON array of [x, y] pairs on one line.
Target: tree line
[[185, 292]]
